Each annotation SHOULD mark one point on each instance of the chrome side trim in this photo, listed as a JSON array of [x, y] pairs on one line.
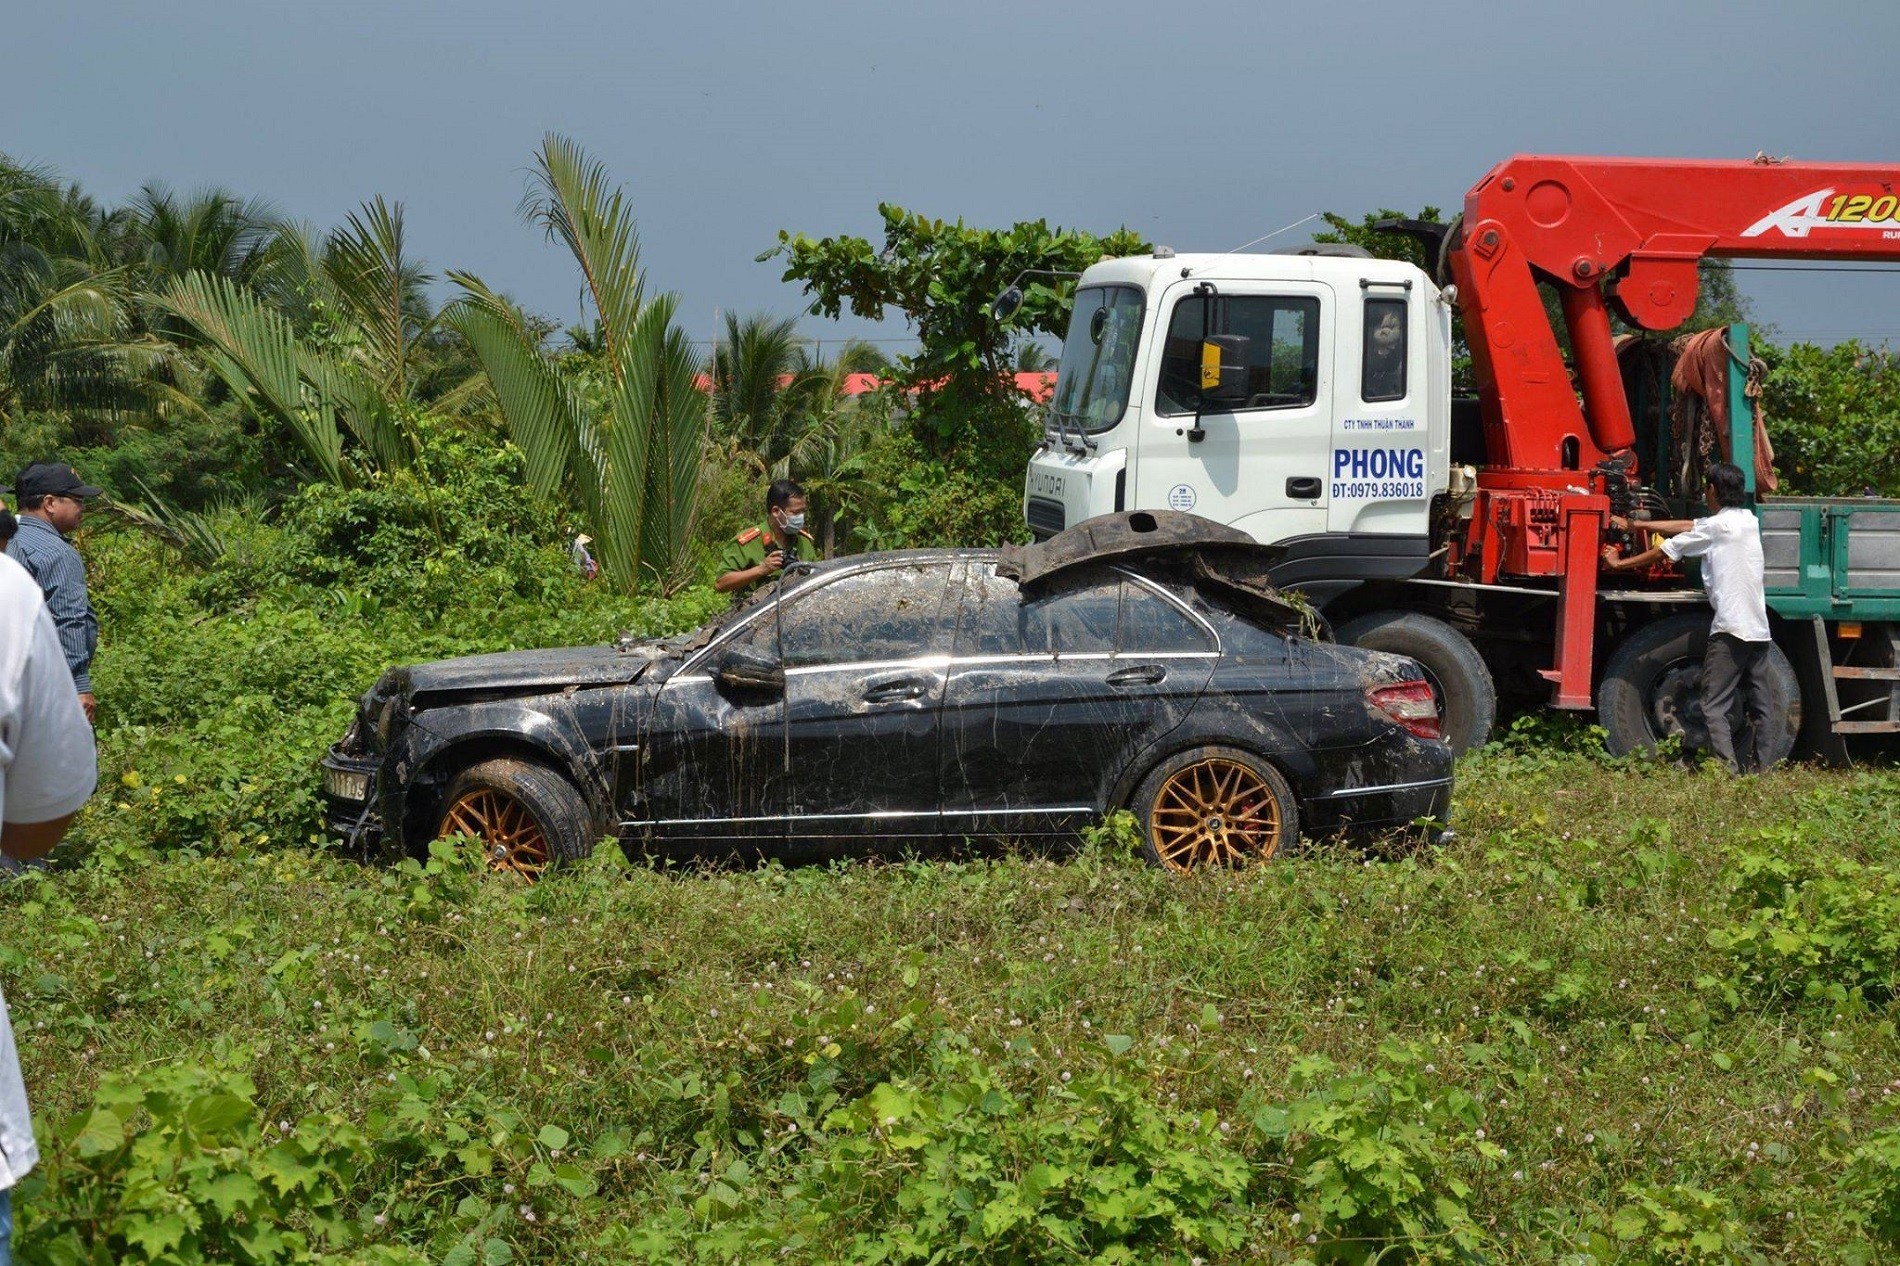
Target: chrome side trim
[[1391, 786], [937, 662], [941, 662], [879, 815]]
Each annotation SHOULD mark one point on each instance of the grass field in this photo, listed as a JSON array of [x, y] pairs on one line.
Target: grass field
[[1632, 1013]]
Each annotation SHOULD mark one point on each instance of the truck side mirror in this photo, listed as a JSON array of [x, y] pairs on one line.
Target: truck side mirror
[[1224, 369], [749, 672]]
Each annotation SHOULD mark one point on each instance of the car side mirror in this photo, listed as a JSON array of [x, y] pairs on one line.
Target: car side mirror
[[747, 670], [1224, 369]]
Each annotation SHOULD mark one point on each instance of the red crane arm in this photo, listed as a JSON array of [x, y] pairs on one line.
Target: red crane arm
[[1627, 232]]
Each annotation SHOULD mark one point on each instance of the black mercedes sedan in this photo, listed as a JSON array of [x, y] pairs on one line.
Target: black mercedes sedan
[[903, 702]]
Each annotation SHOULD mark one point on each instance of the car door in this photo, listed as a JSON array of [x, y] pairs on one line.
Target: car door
[[865, 656], [1260, 465], [711, 758], [1049, 697]]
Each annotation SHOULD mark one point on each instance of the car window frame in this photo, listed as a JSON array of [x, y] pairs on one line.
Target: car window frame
[[696, 668], [1125, 575]]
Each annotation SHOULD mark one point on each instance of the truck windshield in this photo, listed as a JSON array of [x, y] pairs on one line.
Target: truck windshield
[[1098, 357]]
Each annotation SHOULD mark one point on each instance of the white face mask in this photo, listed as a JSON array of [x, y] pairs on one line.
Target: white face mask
[[794, 523]]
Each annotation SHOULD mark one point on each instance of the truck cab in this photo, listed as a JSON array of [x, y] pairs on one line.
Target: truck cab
[[1304, 398]]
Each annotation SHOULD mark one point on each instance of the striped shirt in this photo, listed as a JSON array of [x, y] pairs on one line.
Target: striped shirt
[[52, 561]]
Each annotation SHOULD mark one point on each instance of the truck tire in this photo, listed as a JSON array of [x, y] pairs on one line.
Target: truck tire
[[524, 817], [1467, 697], [1651, 689]]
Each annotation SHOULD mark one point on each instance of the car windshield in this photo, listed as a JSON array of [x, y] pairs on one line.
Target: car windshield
[[1098, 357]]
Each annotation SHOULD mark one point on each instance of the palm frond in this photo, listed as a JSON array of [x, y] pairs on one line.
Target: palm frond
[[186, 531], [384, 292], [540, 409], [753, 369], [250, 346], [572, 199]]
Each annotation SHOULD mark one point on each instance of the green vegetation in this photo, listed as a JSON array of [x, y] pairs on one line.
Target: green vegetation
[[1635, 1012], [1551, 1041]]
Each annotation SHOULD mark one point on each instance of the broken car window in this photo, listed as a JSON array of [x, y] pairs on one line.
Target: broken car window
[[1151, 623], [887, 613], [991, 620], [1085, 615], [1075, 618]]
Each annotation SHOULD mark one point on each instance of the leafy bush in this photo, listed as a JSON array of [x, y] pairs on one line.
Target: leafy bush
[[1870, 1185], [1676, 1223], [973, 498], [220, 690], [1812, 925], [1834, 414], [961, 1165], [1376, 1157], [172, 1165]]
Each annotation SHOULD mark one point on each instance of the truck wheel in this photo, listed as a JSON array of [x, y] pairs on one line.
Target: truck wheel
[[1467, 697], [1214, 806], [1652, 688], [524, 817]]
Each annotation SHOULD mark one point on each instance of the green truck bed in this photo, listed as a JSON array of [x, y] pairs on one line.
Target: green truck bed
[[1835, 557]]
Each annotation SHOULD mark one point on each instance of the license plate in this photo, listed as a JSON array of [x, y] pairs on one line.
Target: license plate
[[346, 784]]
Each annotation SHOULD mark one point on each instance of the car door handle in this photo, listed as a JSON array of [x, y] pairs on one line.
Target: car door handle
[[1303, 487], [905, 690], [1140, 675]]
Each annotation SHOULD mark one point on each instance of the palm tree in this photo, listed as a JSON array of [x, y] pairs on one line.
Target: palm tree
[[633, 461], [752, 367], [63, 299], [167, 236]]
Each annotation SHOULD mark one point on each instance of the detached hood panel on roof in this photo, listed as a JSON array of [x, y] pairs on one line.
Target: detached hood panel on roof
[[1217, 555]]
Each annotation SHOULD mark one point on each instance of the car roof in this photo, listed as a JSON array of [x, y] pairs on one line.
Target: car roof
[[1216, 557]]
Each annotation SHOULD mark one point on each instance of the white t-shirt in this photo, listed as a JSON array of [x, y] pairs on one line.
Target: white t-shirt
[[1729, 544], [47, 770]]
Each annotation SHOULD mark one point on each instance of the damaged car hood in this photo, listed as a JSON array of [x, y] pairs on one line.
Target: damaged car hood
[[539, 671]]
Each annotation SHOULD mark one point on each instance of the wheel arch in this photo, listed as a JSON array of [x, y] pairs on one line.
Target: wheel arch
[[1159, 753], [422, 792]]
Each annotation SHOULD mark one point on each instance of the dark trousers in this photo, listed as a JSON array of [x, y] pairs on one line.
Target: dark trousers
[[1733, 667]]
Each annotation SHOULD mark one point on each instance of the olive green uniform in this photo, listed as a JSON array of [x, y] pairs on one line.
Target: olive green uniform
[[749, 548]]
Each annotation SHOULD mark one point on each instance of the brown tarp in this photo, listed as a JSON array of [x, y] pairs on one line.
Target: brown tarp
[[1700, 383]]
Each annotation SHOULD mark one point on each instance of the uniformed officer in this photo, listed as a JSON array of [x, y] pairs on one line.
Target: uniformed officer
[[760, 552]]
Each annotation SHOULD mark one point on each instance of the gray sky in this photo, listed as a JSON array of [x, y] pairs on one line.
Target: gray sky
[[1200, 124]]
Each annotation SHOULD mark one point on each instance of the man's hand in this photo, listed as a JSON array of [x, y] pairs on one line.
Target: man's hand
[[1620, 523], [774, 562], [1611, 559], [90, 704]]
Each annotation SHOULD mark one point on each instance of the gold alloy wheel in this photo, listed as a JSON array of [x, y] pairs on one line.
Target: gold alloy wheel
[[1215, 812], [511, 842]]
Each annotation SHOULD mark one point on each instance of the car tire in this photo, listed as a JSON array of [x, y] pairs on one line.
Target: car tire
[[1459, 677], [527, 817], [1651, 689], [1211, 806]]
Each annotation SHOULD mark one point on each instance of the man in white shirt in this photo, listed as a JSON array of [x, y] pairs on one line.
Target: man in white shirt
[[47, 771], [1729, 544]]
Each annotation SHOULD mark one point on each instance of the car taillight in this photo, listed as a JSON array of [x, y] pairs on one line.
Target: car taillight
[[1410, 704]]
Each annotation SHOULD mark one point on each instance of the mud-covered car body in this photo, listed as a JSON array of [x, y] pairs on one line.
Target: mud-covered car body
[[905, 700]]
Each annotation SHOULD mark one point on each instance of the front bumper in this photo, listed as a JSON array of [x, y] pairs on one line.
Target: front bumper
[[349, 798]]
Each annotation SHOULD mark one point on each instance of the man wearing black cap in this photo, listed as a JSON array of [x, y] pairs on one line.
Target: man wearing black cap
[[52, 501]]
